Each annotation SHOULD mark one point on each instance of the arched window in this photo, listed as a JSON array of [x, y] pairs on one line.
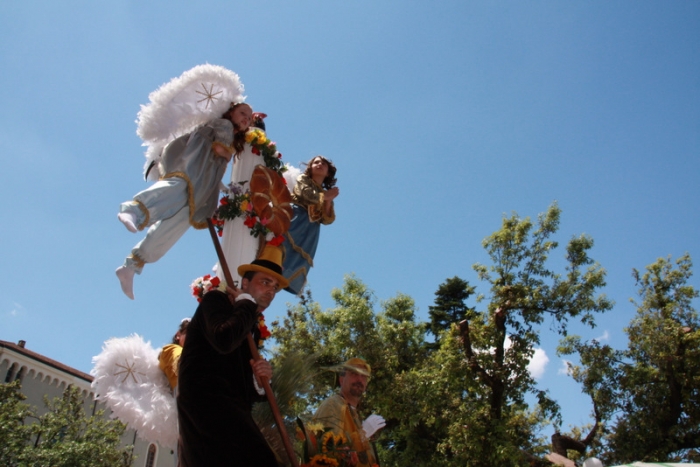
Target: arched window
[[20, 374], [10, 373], [151, 456]]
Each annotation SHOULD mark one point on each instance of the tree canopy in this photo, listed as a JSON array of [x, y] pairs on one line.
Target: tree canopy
[[450, 305], [63, 437], [647, 394], [462, 400]]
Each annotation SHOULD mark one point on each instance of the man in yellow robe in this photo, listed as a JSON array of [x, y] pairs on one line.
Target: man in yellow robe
[[339, 412]]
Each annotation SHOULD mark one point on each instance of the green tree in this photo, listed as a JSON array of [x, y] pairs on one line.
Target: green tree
[[500, 341], [390, 340], [464, 402], [450, 305], [648, 392], [14, 434], [63, 437]]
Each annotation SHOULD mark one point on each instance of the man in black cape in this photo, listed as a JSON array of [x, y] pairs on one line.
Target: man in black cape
[[218, 377]]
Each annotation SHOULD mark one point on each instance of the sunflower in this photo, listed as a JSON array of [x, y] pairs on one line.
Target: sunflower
[[319, 460]]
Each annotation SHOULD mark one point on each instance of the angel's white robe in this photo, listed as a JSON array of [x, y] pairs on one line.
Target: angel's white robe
[[186, 195]]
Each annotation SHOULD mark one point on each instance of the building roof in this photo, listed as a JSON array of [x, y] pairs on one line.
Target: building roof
[[45, 360]]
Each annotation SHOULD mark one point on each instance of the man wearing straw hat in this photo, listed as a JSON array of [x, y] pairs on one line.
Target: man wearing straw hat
[[218, 377], [339, 412]]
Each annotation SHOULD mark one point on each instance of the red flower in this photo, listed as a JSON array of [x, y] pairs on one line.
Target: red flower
[[279, 155], [277, 241], [255, 151], [249, 222], [215, 282], [220, 233], [224, 200]]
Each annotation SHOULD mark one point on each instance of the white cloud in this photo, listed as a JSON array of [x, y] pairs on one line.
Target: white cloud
[[564, 369], [538, 363], [604, 337], [16, 310]]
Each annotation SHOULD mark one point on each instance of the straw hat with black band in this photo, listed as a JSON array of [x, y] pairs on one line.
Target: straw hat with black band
[[269, 262]]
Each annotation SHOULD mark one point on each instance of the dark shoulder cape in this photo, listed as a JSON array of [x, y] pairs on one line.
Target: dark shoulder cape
[[215, 388]]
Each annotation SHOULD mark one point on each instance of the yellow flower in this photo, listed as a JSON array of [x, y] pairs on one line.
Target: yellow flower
[[325, 440], [340, 439], [331, 442], [256, 137], [314, 426], [252, 135], [244, 205], [319, 460]]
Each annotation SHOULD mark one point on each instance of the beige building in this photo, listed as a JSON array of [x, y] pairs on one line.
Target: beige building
[[41, 376]]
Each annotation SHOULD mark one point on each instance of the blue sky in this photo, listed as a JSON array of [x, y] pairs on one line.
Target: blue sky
[[441, 117]]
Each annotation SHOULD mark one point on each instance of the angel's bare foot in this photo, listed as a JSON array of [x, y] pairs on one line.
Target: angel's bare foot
[[126, 279], [128, 220]]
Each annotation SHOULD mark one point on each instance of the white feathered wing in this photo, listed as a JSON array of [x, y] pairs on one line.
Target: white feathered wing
[[290, 176], [197, 96], [129, 381]]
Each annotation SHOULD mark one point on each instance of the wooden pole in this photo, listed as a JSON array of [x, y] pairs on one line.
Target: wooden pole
[[256, 356]]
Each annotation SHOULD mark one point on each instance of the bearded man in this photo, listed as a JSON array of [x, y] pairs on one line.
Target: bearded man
[[339, 412]]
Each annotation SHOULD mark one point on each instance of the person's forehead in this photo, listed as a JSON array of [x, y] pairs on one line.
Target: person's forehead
[[263, 276]]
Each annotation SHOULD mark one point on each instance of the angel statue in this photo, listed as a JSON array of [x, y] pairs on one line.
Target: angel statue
[[192, 126]]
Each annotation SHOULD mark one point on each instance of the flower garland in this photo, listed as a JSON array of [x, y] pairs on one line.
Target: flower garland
[[236, 203], [231, 206], [262, 146], [204, 284]]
